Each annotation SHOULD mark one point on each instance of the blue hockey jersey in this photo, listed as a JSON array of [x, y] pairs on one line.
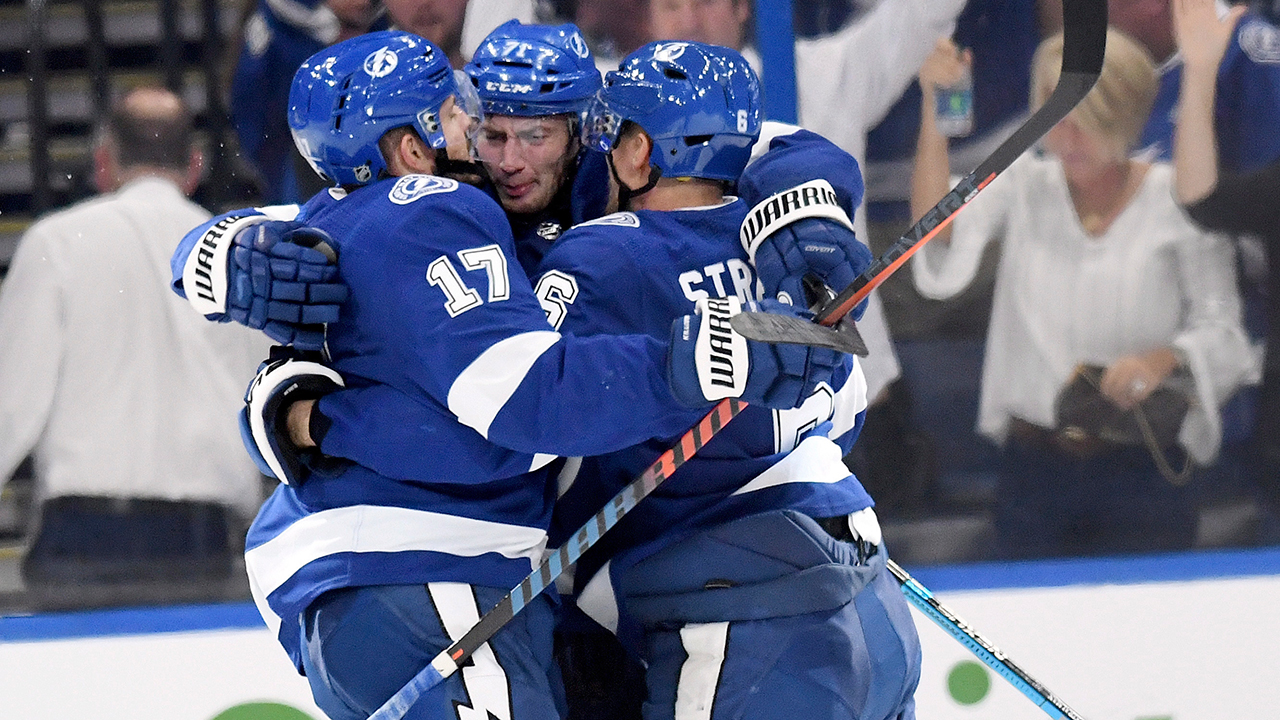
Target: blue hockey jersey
[[1248, 101], [636, 272], [457, 385]]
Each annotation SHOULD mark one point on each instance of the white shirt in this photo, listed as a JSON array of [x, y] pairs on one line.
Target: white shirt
[[1062, 297], [116, 384]]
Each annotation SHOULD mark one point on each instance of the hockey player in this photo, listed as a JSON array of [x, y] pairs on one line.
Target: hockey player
[[367, 569], [535, 83], [752, 582]]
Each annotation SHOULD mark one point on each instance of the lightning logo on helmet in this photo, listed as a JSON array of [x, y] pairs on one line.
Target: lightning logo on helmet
[[381, 62], [578, 45], [669, 52]]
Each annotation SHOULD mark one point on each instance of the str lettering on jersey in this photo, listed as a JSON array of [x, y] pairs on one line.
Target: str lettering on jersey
[[694, 283]]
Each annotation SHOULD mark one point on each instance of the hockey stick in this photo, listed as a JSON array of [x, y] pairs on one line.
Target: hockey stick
[[990, 655], [1084, 27], [1084, 44]]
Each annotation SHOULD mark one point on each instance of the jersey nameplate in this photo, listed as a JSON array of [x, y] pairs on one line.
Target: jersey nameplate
[[412, 187]]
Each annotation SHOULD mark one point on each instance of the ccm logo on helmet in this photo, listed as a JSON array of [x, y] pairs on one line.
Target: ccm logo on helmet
[[505, 87], [381, 62]]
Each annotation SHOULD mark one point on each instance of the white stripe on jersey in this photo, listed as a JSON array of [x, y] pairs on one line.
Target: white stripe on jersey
[[815, 460], [851, 400], [376, 528], [598, 601], [483, 388], [705, 646], [488, 690]]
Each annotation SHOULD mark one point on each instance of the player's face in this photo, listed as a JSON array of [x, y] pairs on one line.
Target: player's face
[[717, 22], [527, 158]]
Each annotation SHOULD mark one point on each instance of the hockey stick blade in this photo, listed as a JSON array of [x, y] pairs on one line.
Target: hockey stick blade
[[1085, 30], [991, 656], [790, 330]]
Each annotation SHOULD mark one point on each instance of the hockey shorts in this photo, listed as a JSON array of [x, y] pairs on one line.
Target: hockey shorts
[[362, 644], [771, 618]]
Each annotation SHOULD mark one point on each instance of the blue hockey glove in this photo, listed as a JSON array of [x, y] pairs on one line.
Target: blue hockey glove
[[804, 231], [282, 380], [282, 279], [709, 361]]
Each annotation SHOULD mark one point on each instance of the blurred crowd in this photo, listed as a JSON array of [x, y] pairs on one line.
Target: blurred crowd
[[1084, 361]]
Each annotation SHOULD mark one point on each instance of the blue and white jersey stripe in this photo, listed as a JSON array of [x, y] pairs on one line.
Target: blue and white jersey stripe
[[293, 555]]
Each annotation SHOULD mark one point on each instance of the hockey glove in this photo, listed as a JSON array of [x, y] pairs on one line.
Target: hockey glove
[[282, 279], [804, 231], [283, 379], [709, 361]]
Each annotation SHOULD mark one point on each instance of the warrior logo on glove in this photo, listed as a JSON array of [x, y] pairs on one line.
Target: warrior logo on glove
[[717, 348]]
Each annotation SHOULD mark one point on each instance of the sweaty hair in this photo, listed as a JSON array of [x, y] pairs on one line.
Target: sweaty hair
[[151, 126], [1118, 105]]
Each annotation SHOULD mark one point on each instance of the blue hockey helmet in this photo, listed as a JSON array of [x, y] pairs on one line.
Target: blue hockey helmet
[[347, 96], [534, 70], [699, 103]]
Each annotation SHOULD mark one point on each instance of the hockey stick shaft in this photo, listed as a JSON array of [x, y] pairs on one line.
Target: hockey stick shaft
[[991, 656], [1084, 44], [448, 661], [1084, 26]]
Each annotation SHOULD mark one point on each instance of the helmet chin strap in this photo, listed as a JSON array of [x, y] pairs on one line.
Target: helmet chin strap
[[625, 193], [466, 171]]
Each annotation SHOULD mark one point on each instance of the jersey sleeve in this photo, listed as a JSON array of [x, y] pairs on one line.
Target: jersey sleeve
[[589, 285], [795, 156], [1243, 204], [462, 325]]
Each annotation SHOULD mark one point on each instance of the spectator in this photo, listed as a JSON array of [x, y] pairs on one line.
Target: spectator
[[1002, 35], [1247, 107], [276, 38], [1229, 202], [106, 377], [1248, 82], [1099, 267], [845, 83]]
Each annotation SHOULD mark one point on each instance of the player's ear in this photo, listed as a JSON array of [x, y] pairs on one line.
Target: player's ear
[[411, 156], [631, 158]]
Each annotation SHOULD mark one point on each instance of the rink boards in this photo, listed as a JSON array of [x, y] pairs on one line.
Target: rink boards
[[1179, 637]]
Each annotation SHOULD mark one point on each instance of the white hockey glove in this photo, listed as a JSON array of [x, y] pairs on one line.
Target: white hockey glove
[[709, 361], [282, 380]]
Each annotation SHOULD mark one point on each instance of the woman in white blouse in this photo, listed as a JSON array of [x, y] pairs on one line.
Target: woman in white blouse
[[1098, 266]]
